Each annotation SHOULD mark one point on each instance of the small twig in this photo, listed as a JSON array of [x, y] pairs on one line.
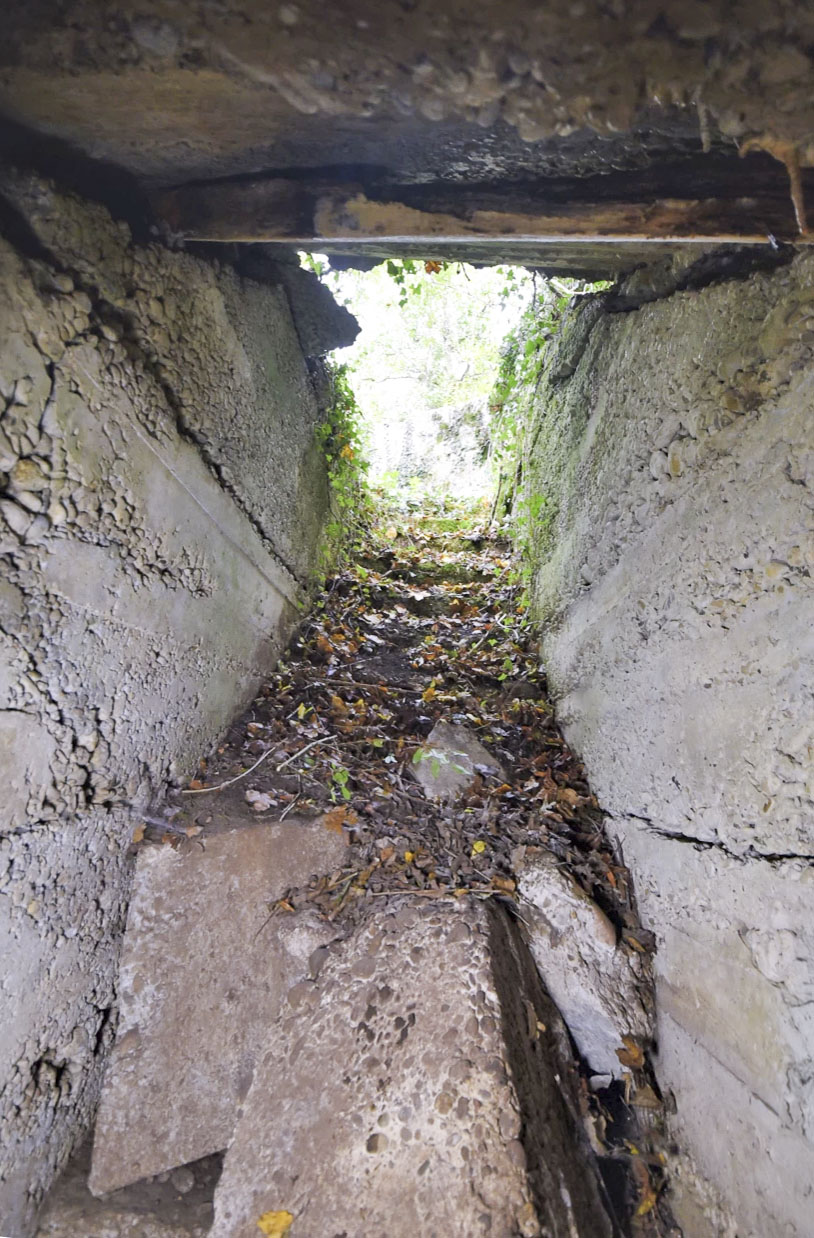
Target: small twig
[[458, 892], [302, 751], [229, 781], [351, 683], [296, 800]]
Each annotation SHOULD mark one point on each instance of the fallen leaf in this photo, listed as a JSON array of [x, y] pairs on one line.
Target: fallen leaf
[[338, 705], [478, 846], [504, 883], [335, 818], [645, 1098], [648, 1196], [275, 1224], [195, 784], [632, 1054], [647, 1204], [138, 833], [631, 941]]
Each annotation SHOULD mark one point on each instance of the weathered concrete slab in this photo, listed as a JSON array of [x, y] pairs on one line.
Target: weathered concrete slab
[[202, 974], [447, 764], [402, 1091], [177, 1205], [735, 986], [595, 984]]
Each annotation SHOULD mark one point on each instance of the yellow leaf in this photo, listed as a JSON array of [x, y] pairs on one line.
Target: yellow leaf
[[302, 710], [409, 856], [647, 1205], [347, 452], [478, 847], [632, 1055], [428, 694], [275, 1224]]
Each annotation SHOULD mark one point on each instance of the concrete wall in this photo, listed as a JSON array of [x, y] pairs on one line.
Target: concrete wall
[[161, 498], [674, 557]]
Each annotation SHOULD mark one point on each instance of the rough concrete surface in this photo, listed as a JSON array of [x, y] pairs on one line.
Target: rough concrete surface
[[385, 1104], [595, 983], [674, 557], [177, 1205], [203, 971], [160, 487], [735, 991], [176, 94]]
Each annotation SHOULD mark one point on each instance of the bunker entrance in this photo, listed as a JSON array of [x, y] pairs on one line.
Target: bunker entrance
[[342, 810]]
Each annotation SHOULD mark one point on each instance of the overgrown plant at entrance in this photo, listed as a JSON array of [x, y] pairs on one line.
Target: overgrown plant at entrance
[[340, 439], [521, 369]]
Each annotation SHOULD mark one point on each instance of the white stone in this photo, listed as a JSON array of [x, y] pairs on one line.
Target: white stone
[[448, 763], [589, 977]]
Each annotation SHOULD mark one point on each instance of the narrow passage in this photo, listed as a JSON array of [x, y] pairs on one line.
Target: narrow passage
[[411, 711]]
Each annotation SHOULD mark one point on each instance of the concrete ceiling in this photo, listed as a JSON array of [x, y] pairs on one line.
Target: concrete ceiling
[[574, 135]]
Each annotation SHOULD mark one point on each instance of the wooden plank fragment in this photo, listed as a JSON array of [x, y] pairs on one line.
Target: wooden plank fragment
[[293, 212]]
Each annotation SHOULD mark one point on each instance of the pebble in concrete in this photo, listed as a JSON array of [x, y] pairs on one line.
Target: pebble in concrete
[[595, 984], [202, 973], [384, 1103]]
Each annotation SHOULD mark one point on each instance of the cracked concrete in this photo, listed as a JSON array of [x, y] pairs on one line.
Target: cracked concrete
[[161, 484], [674, 560], [417, 1099]]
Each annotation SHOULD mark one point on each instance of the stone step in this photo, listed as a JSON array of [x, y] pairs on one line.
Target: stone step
[[173, 1205], [422, 1084], [202, 974]]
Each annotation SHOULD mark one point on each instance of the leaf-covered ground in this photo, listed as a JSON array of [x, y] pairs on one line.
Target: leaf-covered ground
[[427, 627]]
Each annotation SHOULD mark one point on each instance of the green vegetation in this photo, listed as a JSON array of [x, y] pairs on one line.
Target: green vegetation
[[340, 439], [521, 369], [423, 366], [438, 393]]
